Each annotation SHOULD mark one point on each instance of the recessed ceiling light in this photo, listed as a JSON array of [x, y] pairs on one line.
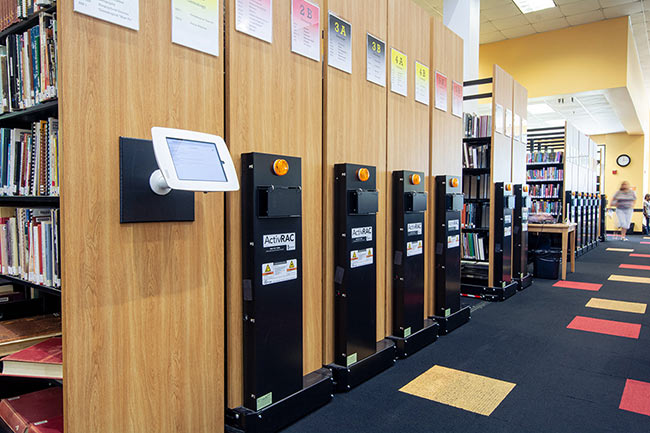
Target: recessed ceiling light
[[528, 6], [540, 109]]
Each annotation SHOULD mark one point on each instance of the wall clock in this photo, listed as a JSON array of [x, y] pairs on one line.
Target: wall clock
[[623, 160]]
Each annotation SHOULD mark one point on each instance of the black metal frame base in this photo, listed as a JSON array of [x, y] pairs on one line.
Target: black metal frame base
[[453, 321], [346, 378], [489, 293], [416, 341], [317, 391], [524, 282]]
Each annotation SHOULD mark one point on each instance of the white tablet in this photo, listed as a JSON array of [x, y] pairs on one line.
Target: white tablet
[[194, 161]]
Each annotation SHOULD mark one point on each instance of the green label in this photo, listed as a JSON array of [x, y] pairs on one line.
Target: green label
[[264, 401], [447, 312], [407, 332], [351, 359]]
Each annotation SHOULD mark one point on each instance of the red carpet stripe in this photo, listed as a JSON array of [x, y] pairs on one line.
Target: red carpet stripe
[[636, 397], [642, 267], [644, 242], [609, 327], [639, 255], [578, 285]]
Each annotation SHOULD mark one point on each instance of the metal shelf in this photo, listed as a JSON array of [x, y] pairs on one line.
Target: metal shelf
[[29, 115], [26, 23], [30, 201], [43, 288]]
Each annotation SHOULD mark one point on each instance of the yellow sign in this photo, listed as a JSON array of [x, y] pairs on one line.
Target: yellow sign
[[422, 72], [399, 59]]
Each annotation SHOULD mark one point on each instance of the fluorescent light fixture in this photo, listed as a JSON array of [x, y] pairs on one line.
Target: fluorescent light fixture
[[528, 6], [557, 122], [540, 108]]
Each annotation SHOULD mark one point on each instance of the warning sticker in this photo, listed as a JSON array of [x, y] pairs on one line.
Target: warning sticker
[[507, 219], [453, 241], [362, 234], [454, 225], [279, 242], [507, 231], [279, 271], [414, 229], [413, 248], [360, 258]]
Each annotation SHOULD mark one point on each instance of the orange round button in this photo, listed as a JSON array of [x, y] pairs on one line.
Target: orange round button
[[508, 187], [453, 182], [415, 179], [363, 174], [280, 167], [525, 188]]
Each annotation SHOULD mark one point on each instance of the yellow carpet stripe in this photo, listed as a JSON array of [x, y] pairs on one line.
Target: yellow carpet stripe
[[471, 392], [629, 279], [646, 237], [622, 250], [610, 304]]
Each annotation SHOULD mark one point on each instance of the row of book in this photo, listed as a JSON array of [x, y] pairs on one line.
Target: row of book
[[551, 156], [29, 159], [477, 126], [543, 206], [476, 156], [476, 186], [12, 11], [28, 64], [35, 412], [550, 190], [29, 246], [475, 215], [475, 246], [546, 173]]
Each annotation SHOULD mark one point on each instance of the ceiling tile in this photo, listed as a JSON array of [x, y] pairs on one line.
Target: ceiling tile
[[584, 18], [580, 7], [622, 10], [489, 4], [505, 11], [638, 18], [543, 15], [487, 38], [517, 32], [488, 27], [548, 25], [564, 2], [508, 23], [610, 3]]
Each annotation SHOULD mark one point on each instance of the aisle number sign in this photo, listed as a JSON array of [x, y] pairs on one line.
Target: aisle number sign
[[517, 130], [398, 72], [375, 60], [305, 29], [421, 83], [508, 122], [457, 99], [255, 18], [498, 118], [122, 13], [339, 47], [441, 91]]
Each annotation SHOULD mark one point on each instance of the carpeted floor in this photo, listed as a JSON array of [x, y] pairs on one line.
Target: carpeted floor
[[566, 380]]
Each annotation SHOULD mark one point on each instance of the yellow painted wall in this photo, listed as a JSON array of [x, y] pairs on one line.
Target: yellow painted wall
[[615, 145], [575, 59]]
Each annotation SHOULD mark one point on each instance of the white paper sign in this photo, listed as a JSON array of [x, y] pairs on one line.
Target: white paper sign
[[376, 60], [360, 258], [255, 18], [121, 12], [441, 91], [517, 130], [398, 72], [508, 122], [453, 241], [305, 29], [413, 248], [457, 99], [339, 43], [195, 24], [498, 121], [279, 271], [421, 83]]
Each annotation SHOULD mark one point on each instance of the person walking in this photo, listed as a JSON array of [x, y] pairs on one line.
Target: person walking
[[646, 214], [624, 200]]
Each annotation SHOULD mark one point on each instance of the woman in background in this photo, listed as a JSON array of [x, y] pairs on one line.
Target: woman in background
[[624, 200], [646, 214]]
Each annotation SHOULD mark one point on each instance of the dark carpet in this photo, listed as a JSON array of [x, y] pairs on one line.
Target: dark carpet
[[566, 380]]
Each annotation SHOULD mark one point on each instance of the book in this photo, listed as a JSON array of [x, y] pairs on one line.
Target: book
[[19, 413], [21, 333], [44, 360], [54, 425]]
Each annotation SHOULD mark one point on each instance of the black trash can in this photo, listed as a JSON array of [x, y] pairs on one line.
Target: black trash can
[[546, 264]]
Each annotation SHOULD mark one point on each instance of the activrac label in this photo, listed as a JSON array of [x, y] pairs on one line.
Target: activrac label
[[280, 241], [362, 234], [454, 225], [414, 229]]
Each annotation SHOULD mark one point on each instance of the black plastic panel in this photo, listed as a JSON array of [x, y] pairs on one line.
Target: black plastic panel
[[364, 202], [280, 202]]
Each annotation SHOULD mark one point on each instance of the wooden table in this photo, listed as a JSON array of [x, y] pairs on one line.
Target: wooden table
[[567, 230]]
